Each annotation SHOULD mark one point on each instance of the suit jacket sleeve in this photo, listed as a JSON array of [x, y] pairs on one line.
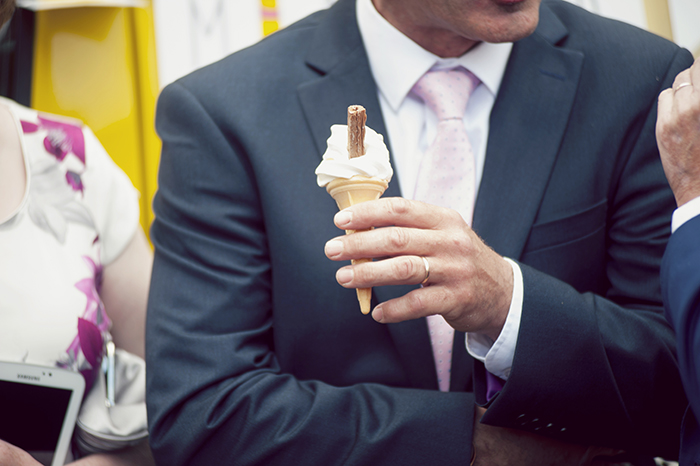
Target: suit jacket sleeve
[[680, 281], [217, 394], [600, 367]]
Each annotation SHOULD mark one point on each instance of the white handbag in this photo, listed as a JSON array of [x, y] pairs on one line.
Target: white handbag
[[113, 414]]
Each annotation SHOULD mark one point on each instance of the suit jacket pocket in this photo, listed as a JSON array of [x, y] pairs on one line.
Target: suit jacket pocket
[[571, 248], [567, 229]]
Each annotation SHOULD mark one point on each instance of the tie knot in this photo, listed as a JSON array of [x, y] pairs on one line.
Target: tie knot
[[446, 92]]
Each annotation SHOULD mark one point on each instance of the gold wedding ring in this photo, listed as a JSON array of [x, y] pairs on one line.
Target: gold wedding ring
[[681, 86], [427, 271]]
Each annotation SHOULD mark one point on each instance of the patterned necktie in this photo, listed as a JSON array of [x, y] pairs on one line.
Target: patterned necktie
[[447, 177]]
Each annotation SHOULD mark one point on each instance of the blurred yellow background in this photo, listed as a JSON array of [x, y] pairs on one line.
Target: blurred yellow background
[[98, 65]]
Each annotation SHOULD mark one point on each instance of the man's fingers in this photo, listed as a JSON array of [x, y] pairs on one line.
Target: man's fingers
[[418, 303], [664, 112], [403, 270], [682, 78], [382, 242], [394, 211], [695, 73], [665, 103]]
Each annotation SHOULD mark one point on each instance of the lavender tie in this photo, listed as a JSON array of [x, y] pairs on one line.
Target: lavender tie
[[447, 176]]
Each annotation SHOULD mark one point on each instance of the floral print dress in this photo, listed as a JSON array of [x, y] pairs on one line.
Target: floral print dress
[[79, 211]]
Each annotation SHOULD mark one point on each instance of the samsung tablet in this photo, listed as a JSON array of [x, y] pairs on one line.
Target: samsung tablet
[[39, 407]]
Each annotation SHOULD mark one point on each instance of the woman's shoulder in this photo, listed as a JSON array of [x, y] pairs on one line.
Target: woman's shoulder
[[71, 171], [31, 116]]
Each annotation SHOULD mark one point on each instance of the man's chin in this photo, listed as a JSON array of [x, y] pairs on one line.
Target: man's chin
[[512, 29]]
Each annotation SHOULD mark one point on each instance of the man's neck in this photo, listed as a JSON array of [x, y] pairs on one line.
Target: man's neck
[[441, 42]]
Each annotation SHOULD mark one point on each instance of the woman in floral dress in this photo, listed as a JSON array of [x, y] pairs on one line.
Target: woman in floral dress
[[74, 262]]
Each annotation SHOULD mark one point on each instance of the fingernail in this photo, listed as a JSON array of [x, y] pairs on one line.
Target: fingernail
[[343, 218], [334, 248], [344, 275], [378, 314]]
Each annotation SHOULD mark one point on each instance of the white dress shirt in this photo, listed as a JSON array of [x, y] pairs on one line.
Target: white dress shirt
[[684, 213], [397, 63]]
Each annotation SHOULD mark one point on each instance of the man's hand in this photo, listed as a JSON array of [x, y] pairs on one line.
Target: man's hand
[[469, 284], [498, 446], [10, 455], [678, 134]]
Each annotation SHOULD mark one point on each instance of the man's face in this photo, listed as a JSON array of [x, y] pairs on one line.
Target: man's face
[[482, 20], [450, 27]]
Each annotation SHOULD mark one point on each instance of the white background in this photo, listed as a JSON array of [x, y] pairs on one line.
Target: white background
[[193, 33]]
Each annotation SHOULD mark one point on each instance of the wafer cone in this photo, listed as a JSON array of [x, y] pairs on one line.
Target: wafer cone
[[349, 192]]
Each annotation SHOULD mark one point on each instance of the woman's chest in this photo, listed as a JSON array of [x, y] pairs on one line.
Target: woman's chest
[[45, 286]]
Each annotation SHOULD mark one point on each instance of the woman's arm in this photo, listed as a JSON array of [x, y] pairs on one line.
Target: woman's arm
[[12, 455], [124, 293]]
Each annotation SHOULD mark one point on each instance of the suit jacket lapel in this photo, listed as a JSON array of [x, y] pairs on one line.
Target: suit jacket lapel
[[528, 122], [344, 78]]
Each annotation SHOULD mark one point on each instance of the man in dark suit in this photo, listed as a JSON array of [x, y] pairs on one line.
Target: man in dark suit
[[257, 356], [678, 134]]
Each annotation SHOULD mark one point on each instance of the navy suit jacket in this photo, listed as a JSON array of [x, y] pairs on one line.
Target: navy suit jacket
[[680, 281], [257, 356]]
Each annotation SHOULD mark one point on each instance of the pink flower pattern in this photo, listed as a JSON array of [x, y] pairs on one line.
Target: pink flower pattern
[[55, 180], [28, 127], [75, 181], [53, 204], [61, 139], [86, 350]]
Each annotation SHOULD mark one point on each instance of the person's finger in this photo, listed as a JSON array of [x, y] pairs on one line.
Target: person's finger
[[394, 211], [664, 113], [681, 79], [685, 101], [389, 242], [694, 74], [665, 107], [403, 270], [418, 303]]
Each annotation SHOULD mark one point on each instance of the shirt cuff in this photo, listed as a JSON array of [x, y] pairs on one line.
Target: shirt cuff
[[498, 356], [684, 213]]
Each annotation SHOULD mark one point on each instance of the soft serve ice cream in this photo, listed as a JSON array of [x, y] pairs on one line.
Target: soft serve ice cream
[[355, 169], [338, 164]]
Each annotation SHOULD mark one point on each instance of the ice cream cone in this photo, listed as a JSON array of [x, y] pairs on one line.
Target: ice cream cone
[[349, 192]]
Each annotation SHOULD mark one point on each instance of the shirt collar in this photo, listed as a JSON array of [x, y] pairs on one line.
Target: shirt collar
[[397, 62]]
